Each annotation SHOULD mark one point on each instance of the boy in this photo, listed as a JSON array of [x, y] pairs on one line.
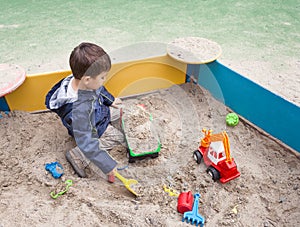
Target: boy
[[83, 105]]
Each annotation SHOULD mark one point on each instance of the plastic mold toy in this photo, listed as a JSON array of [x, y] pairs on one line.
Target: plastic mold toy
[[68, 183], [55, 169], [232, 119], [170, 191]]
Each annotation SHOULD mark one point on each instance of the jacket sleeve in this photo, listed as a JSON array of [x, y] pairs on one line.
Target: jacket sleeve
[[85, 132], [108, 98]]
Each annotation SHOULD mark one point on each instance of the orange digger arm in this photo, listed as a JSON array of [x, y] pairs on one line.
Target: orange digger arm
[[205, 142], [226, 147]]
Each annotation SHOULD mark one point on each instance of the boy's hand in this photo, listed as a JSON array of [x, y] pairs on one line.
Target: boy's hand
[[111, 176], [117, 103]]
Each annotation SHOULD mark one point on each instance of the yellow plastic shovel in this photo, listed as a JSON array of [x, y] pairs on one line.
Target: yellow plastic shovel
[[127, 183]]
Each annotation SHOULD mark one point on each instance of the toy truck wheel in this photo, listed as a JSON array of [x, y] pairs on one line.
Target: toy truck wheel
[[198, 156], [155, 155], [213, 173], [130, 159]]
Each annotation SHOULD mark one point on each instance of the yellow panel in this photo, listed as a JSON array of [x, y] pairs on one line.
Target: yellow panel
[[125, 78], [143, 76], [30, 96], [144, 85]]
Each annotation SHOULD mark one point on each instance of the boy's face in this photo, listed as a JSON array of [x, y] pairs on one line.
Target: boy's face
[[94, 83]]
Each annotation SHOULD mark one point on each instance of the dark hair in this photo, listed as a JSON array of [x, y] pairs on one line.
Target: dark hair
[[88, 59]]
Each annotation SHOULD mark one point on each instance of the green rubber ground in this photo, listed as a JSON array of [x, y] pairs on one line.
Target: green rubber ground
[[39, 35]]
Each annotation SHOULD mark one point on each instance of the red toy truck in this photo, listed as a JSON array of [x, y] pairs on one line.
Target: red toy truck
[[214, 149]]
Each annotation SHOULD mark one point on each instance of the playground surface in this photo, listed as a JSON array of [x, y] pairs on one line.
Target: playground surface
[[259, 39]]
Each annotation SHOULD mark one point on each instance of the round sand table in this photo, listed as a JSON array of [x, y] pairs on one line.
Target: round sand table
[[194, 50], [11, 77]]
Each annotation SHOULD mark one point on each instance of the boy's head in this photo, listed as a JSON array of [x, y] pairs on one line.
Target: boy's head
[[88, 59]]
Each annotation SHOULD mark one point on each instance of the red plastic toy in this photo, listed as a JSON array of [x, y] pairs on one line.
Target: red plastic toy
[[185, 202], [214, 149]]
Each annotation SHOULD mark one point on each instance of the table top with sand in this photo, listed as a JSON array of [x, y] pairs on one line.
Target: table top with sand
[[194, 50], [11, 77]]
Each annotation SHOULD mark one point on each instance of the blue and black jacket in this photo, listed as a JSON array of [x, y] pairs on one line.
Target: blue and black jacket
[[86, 117], [57, 101]]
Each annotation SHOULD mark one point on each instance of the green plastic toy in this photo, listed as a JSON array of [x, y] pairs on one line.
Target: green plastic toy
[[137, 155], [232, 119], [69, 183]]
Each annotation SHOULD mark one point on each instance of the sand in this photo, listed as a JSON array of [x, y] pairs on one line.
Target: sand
[[266, 194], [138, 127]]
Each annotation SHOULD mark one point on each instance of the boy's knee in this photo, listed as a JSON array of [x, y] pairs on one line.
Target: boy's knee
[[115, 114]]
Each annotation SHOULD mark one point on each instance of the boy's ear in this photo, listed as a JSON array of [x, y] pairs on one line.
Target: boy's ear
[[86, 80]]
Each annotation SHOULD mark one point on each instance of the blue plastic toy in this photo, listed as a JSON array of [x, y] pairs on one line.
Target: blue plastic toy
[[193, 217], [55, 169]]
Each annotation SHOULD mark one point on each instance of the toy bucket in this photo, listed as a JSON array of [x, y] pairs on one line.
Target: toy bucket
[[185, 202]]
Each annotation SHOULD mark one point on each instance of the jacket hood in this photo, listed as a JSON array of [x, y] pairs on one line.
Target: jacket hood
[[57, 96]]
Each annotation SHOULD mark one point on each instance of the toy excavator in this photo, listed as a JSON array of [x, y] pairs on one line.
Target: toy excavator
[[214, 149]]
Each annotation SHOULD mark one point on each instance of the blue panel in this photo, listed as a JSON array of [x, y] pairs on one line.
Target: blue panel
[[263, 108], [3, 104], [192, 71]]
